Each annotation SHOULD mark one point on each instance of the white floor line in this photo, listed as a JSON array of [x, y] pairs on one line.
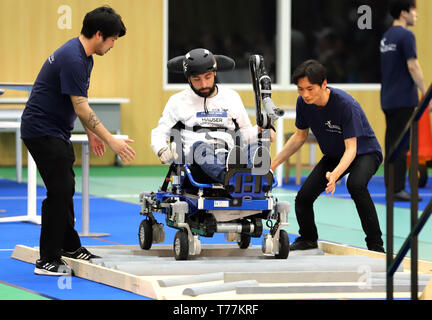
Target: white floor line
[[38, 197], [76, 197], [122, 195], [136, 195]]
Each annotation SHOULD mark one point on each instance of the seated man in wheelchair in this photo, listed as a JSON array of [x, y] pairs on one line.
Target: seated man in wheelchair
[[209, 122], [220, 164]]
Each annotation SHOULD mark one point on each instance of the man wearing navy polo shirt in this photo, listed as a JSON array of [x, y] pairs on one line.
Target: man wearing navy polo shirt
[[401, 77], [58, 97], [348, 144]]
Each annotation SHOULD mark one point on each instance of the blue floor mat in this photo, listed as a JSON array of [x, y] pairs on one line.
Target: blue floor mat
[[119, 219], [64, 288]]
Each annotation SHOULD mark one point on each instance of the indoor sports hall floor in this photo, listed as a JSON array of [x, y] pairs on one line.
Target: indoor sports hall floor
[[114, 209]]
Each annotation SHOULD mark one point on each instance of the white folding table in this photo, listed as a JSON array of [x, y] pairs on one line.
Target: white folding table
[[85, 166], [107, 109], [14, 126], [32, 185], [15, 115]]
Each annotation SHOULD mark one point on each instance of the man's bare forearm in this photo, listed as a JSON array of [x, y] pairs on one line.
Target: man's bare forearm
[[290, 147], [347, 158], [93, 120], [89, 119], [417, 74]]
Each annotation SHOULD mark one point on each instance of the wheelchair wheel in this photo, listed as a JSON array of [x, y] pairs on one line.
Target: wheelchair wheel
[[283, 245], [244, 241], [181, 245], [145, 234]]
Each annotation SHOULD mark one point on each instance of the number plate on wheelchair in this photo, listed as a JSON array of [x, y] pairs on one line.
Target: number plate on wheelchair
[[221, 204]]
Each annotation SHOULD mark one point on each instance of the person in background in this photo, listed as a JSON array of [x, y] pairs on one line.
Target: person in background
[[402, 76]]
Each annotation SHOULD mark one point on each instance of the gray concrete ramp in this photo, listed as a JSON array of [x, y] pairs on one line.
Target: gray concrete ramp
[[227, 272]]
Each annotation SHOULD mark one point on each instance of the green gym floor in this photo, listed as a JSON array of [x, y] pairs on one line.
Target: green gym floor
[[10, 292]]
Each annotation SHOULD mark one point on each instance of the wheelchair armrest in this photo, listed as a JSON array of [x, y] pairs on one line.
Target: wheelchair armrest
[[192, 180]]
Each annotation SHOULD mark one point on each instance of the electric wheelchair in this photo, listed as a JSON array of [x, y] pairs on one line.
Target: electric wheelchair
[[237, 207]]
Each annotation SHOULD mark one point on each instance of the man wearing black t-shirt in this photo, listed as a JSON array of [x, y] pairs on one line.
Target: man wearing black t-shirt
[[348, 144], [402, 76], [58, 96]]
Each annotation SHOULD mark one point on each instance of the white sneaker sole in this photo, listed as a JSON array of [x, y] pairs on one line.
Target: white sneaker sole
[[45, 272]]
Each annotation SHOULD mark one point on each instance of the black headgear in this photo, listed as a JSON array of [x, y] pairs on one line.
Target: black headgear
[[198, 61]]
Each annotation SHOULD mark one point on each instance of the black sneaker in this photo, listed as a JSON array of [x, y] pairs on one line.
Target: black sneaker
[[303, 245], [81, 253], [404, 196], [56, 267]]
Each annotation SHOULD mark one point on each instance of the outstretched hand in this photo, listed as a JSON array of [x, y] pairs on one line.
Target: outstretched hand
[[122, 149], [96, 145], [331, 185]]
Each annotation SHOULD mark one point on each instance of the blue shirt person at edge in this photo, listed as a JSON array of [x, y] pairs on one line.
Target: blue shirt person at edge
[[402, 76]]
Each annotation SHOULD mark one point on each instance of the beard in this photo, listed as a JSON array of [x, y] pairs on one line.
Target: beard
[[203, 94]]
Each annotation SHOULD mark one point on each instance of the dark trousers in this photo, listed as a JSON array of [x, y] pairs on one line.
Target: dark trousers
[[360, 172], [214, 165], [54, 159], [396, 119]]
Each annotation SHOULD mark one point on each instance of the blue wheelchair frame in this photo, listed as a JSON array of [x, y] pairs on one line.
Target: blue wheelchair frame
[[244, 199], [236, 207]]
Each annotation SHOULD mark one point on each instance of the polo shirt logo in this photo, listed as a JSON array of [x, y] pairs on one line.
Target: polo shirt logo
[[332, 127], [387, 47]]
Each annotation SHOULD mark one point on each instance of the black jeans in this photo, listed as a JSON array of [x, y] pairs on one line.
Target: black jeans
[[54, 159], [396, 119], [360, 172]]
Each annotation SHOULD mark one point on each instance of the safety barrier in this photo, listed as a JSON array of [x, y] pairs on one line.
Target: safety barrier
[[411, 242]]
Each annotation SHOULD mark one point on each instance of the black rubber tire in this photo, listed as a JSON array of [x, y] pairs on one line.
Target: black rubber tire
[[145, 234], [244, 241], [283, 245], [181, 245]]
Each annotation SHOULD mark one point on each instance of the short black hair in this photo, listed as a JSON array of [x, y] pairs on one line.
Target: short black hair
[[397, 6], [313, 70], [105, 20]]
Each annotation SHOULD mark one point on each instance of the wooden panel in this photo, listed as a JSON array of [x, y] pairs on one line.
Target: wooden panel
[[424, 266], [109, 272], [132, 69], [427, 292]]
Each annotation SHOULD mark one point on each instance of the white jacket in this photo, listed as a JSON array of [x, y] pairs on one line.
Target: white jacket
[[188, 108]]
